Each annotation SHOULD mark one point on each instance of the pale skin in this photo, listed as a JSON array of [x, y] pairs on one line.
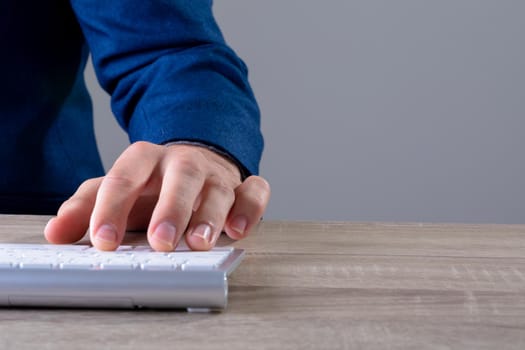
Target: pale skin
[[173, 192]]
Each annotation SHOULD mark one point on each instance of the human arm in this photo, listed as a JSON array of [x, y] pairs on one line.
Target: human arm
[[171, 77]]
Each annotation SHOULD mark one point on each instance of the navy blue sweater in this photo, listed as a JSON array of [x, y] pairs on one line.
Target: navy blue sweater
[[165, 64]]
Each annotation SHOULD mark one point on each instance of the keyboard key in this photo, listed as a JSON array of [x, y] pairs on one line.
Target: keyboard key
[[59, 268], [76, 266], [154, 266], [47, 256], [117, 266], [42, 247], [24, 265]]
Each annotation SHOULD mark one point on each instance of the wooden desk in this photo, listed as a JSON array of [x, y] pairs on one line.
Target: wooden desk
[[321, 286]]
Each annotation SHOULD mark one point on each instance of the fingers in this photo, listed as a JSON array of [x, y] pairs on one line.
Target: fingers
[[252, 197], [118, 192], [182, 182], [72, 220], [208, 220], [173, 191]]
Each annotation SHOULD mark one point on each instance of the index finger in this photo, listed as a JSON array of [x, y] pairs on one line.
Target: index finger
[[118, 192]]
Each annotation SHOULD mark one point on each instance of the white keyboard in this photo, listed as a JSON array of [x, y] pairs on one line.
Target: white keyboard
[[47, 256], [36, 275]]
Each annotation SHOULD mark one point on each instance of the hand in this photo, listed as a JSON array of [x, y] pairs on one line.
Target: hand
[[171, 191]]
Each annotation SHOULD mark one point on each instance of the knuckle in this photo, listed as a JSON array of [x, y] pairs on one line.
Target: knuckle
[[88, 184], [140, 147], [258, 200], [119, 181], [69, 203], [84, 195], [182, 207], [73, 203], [188, 166], [255, 199], [257, 184], [223, 190]]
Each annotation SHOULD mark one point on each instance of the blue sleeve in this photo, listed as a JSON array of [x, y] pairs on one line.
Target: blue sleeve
[[171, 76]]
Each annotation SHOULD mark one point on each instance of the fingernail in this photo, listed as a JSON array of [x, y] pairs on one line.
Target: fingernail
[[165, 234], [203, 231], [239, 224], [106, 233]]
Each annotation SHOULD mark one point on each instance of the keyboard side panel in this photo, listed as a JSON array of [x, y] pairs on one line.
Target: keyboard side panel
[[113, 289]]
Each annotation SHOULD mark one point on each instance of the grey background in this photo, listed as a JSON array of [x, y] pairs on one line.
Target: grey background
[[381, 110]]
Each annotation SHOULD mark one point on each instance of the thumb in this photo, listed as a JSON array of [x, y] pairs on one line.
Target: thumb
[[72, 220]]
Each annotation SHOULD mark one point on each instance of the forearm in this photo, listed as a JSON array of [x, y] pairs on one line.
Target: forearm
[[171, 75]]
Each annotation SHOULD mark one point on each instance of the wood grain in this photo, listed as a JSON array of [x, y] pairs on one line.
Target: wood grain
[[319, 285]]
